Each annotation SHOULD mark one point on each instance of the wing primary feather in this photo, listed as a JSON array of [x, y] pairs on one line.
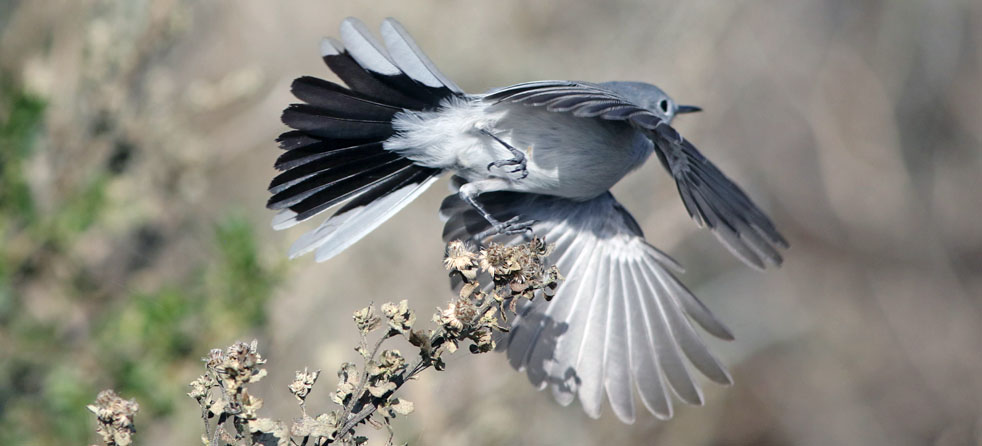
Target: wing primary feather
[[669, 356], [650, 379], [570, 346], [617, 362], [589, 362], [542, 349], [563, 352], [523, 336], [698, 311], [686, 337]]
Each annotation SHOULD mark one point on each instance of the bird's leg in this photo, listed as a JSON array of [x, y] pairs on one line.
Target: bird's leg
[[469, 192], [518, 159]]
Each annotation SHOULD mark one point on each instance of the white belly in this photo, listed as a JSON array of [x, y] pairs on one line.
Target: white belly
[[567, 156]]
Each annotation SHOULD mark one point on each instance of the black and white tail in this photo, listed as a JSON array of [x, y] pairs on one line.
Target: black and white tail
[[335, 152]]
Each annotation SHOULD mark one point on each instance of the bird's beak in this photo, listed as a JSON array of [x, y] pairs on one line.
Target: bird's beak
[[687, 109]]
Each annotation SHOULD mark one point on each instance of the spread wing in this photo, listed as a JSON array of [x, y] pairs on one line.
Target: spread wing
[[619, 323], [710, 197]]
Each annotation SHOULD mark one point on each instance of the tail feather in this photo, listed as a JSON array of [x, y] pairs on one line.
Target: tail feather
[[335, 152], [345, 228], [344, 189], [332, 161], [316, 121], [295, 139], [361, 80], [298, 146], [322, 185], [299, 157], [370, 54], [411, 60], [334, 98]]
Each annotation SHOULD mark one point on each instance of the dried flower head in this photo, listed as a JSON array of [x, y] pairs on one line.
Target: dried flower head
[[447, 318], [456, 315], [366, 319], [499, 260], [201, 386], [459, 258], [238, 365], [115, 417], [390, 363], [303, 383], [400, 317]]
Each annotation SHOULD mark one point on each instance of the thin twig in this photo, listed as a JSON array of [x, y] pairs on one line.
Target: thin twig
[[419, 367], [356, 395]]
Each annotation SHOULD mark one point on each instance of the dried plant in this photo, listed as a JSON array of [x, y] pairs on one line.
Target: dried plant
[[366, 394], [114, 416]]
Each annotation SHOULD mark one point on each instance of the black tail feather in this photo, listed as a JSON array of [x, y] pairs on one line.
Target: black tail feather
[[318, 122], [295, 139], [320, 174], [346, 188], [331, 161], [335, 99], [298, 157], [362, 81], [335, 152]]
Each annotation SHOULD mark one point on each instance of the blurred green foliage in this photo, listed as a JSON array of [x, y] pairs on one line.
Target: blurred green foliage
[[145, 344]]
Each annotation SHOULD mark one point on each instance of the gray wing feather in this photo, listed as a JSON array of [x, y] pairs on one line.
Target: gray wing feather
[[620, 321], [710, 197], [686, 337], [526, 331], [669, 357], [588, 348], [617, 359], [542, 359], [644, 358], [576, 298]]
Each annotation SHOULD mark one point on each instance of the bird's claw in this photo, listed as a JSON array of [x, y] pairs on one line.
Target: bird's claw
[[519, 161], [514, 226], [510, 227], [518, 157]]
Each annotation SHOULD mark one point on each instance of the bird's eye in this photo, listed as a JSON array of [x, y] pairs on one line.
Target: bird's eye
[[663, 105]]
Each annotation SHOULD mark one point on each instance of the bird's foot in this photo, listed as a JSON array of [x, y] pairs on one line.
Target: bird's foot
[[519, 161], [518, 158], [510, 227]]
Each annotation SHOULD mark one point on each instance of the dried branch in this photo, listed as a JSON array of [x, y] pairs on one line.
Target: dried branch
[[366, 395]]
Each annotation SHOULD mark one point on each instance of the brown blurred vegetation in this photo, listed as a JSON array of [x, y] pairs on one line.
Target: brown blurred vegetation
[[136, 144]]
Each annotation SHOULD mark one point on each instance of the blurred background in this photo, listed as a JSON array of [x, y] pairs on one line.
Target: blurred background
[[136, 143]]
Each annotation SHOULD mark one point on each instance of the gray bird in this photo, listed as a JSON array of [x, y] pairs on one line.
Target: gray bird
[[534, 157]]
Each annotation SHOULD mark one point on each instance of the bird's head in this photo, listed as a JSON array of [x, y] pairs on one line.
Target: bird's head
[[652, 98]]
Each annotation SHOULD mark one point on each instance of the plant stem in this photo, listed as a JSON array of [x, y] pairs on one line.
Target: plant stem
[[356, 395]]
